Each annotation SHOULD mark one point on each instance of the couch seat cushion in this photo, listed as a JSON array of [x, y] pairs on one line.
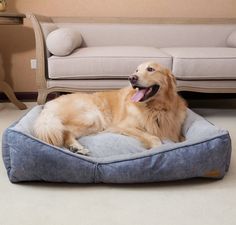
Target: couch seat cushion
[[104, 62], [203, 63]]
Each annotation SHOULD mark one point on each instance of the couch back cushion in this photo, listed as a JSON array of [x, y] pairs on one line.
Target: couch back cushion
[[153, 34]]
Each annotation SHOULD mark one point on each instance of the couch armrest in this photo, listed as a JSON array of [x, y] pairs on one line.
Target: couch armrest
[[42, 26]]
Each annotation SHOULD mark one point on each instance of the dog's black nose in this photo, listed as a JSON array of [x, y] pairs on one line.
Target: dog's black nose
[[133, 79]]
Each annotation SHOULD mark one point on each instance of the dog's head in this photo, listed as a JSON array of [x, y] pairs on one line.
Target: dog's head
[[151, 80]]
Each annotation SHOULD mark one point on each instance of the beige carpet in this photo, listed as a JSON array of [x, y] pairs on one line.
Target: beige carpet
[[186, 202]]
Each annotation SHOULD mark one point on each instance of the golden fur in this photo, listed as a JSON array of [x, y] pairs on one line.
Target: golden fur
[[159, 117]]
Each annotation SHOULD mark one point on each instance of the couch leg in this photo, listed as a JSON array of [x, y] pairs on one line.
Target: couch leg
[[42, 97]]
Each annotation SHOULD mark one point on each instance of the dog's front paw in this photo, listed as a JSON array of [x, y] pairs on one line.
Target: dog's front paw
[[79, 149], [83, 151], [153, 142]]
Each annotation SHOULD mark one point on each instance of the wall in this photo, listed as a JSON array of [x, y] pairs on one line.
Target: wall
[[17, 42]]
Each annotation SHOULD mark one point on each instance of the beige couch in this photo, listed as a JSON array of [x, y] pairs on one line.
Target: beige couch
[[196, 50]]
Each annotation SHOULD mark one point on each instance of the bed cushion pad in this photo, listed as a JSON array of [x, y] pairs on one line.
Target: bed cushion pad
[[116, 158]]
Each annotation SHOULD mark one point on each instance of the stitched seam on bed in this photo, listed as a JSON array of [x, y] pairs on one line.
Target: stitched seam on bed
[[95, 173], [9, 153], [228, 157], [94, 162]]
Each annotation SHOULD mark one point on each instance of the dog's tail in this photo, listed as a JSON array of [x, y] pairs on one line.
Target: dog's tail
[[49, 128]]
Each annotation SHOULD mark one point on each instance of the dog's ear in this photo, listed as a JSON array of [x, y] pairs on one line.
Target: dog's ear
[[171, 78], [171, 81]]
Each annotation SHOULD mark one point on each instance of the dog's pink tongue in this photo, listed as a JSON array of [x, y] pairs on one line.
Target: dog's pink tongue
[[138, 95]]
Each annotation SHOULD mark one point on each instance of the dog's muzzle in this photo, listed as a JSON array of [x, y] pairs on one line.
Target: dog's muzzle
[[133, 79]]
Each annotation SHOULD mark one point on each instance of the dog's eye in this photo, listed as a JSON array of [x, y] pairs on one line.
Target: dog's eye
[[150, 69]]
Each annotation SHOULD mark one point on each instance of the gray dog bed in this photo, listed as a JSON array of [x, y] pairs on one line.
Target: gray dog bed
[[116, 158]]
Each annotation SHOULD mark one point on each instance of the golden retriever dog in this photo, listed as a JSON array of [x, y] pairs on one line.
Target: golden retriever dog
[[150, 110]]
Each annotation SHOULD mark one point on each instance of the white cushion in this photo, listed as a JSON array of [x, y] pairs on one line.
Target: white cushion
[[203, 63], [47, 28], [63, 41], [231, 40], [104, 62]]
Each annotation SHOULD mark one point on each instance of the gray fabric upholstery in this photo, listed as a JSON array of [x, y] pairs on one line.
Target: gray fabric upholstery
[[203, 63], [104, 62], [116, 158]]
